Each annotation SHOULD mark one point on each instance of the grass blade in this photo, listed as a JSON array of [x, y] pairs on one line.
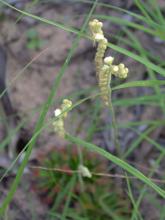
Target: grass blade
[[124, 165], [41, 120]]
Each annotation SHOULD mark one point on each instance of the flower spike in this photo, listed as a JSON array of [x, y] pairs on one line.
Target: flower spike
[[104, 66]]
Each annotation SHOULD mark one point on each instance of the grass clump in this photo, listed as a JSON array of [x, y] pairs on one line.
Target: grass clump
[[98, 199]]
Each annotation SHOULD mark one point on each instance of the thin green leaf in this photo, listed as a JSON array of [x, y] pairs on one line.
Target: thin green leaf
[[41, 120], [118, 162], [140, 83]]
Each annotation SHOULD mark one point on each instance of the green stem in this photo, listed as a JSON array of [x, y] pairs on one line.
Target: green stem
[[114, 124], [82, 187]]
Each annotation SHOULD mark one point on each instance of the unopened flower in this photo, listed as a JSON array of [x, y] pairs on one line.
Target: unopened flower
[[66, 104], [104, 81], [84, 171], [96, 28], [60, 114]]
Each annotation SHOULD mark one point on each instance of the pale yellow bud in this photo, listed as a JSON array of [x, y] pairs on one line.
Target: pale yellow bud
[[108, 60], [67, 102], [58, 124], [126, 70], [96, 26], [84, 171], [57, 112], [65, 105], [104, 83], [121, 66], [115, 68], [120, 71], [98, 37]]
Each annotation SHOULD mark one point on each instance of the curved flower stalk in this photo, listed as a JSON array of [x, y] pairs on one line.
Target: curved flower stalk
[[104, 71], [104, 66], [59, 128], [61, 113]]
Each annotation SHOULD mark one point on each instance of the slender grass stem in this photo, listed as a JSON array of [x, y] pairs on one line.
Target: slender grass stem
[[80, 155], [114, 125]]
